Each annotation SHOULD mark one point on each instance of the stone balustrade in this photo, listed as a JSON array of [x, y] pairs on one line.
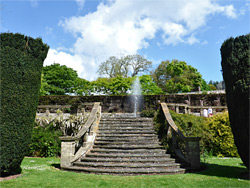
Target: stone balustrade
[[191, 153], [73, 147]]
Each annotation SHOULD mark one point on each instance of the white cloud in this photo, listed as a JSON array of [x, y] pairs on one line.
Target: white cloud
[[80, 3], [123, 27]]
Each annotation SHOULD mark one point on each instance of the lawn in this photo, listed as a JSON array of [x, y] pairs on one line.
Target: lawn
[[41, 172]]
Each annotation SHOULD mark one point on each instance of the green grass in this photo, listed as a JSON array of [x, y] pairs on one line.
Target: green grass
[[41, 172]]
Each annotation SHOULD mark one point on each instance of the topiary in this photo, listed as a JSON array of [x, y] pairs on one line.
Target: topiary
[[236, 67], [21, 62]]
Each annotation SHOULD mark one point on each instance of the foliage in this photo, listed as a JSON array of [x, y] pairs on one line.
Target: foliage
[[236, 67], [21, 61], [222, 140], [148, 86], [127, 66], [45, 142], [176, 76], [112, 86], [45, 136], [44, 86], [82, 87], [122, 86], [215, 132], [148, 113], [194, 126], [60, 78]]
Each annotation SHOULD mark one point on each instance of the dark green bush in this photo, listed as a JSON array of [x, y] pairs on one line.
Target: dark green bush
[[21, 62], [236, 68], [45, 142], [194, 126], [148, 113]]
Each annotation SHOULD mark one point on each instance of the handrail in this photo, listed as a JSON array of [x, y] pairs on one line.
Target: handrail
[[73, 147], [86, 126], [192, 148], [170, 120]]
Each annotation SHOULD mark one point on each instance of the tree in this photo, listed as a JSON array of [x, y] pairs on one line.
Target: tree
[[21, 62], [127, 66], [60, 78], [148, 86], [82, 87], [235, 61], [176, 76], [112, 86]]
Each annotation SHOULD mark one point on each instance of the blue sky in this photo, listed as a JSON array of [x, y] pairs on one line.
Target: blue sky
[[83, 33]]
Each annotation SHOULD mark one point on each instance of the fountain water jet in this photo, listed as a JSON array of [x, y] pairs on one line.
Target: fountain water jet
[[136, 92]]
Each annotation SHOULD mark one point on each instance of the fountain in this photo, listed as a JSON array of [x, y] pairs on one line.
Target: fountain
[[136, 92]]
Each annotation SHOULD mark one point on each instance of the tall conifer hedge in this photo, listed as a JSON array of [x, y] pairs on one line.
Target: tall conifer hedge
[[235, 65], [21, 62]]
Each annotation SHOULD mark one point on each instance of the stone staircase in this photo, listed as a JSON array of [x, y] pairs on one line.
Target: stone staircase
[[127, 146]]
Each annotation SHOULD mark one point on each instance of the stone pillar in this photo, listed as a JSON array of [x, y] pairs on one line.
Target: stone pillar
[[193, 151], [185, 110], [177, 109], [67, 153], [47, 111]]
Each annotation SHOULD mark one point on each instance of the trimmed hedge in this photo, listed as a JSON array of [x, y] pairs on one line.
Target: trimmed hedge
[[236, 68], [21, 62]]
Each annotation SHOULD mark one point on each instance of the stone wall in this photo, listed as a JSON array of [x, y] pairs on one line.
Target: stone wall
[[124, 104]]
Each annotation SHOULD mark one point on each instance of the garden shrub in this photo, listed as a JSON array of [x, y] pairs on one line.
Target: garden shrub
[[215, 132], [21, 62], [235, 61], [194, 126], [148, 113], [45, 142], [222, 140]]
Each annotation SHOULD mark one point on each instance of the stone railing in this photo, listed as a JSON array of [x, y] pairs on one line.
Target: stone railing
[[73, 147], [72, 109], [191, 151], [187, 109]]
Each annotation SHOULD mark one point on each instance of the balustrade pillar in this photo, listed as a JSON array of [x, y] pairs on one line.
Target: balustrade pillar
[[67, 153], [193, 151]]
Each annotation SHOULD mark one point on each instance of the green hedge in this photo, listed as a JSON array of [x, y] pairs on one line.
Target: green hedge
[[215, 132], [21, 62], [235, 54]]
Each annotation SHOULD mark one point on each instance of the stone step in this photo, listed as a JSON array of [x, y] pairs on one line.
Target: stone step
[[139, 127], [125, 171], [126, 139], [126, 165], [127, 132], [126, 119], [126, 135], [137, 151], [125, 129], [132, 142], [126, 160], [129, 147], [127, 155]]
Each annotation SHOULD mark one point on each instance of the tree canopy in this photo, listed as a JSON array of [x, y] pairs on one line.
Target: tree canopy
[[60, 79], [176, 76], [127, 66]]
